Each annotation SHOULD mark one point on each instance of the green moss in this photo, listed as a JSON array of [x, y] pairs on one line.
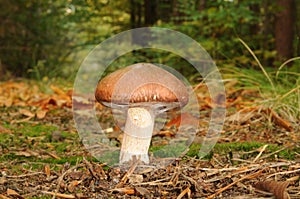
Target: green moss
[[35, 130], [42, 197], [229, 149], [237, 146], [69, 135], [70, 159], [110, 158], [173, 150]]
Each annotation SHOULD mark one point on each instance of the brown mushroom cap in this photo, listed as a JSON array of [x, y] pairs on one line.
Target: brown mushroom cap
[[141, 83]]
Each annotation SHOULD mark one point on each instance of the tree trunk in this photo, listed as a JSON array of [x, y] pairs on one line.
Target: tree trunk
[[201, 5], [284, 29], [150, 12], [135, 14], [132, 14], [136, 22]]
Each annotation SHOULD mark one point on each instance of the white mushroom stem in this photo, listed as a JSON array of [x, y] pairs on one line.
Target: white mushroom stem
[[137, 135]]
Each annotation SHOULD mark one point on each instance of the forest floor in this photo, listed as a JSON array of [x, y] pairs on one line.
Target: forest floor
[[257, 154]]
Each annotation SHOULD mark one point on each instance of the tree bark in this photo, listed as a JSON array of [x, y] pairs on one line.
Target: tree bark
[[132, 14], [150, 12], [284, 29], [201, 5]]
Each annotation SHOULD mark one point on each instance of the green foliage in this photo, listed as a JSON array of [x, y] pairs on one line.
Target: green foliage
[[173, 150], [35, 130], [154, 56], [245, 149], [51, 38], [279, 88], [39, 37], [217, 26]]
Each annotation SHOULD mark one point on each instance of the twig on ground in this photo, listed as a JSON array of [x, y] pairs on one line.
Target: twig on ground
[[235, 172], [273, 153], [60, 179], [283, 173], [127, 174], [260, 153], [3, 197], [90, 168], [253, 175], [241, 160], [26, 175], [68, 196], [157, 182], [191, 180], [185, 191]]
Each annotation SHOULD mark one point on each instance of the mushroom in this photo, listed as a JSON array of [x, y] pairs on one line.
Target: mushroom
[[144, 90]]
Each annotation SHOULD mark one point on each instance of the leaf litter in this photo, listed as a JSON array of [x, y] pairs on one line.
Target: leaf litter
[[31, 165]]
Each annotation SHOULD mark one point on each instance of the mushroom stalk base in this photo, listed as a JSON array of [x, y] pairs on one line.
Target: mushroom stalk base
[[137, 135]]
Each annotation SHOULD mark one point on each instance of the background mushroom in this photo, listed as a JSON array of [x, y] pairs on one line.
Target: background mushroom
[[144, 90]]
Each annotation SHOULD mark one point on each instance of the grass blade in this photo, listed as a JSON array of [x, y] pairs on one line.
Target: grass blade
[[258, 62]]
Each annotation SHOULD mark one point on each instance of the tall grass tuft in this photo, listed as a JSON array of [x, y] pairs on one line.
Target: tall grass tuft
[[278, 87]]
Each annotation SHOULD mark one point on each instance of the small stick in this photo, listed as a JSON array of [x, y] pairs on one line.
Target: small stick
[[60, 179], [270, 154], [128, 173], [253, 175], [59, 195], [230, 175], [241, 160], [186, 191], [90, 168], [196, 184], [26, 175], [283, 173], [157, 182], [260, 153], [3, 197]]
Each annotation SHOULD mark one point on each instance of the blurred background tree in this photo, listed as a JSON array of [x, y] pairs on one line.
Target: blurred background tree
[[51, 37]]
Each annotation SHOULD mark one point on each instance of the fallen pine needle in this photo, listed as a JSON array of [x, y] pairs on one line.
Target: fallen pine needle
[[3, 197], [253, 175], [60, 179], [186, 191], [284, 173], [273, 153], [27, 175], [59, 194], [127, 174], [260, 153]]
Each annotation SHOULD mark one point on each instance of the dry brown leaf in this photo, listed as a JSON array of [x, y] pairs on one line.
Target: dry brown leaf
[[241, 116], [3, 197], [52, 155], [183, 119], [41, 113], [81, 196], [26, 113], [72, 185], [166, 133], [294, 178], [4, 130], [11, 192], [125, 190], [47, 170], [142, 191], [135, 178], [57, 90], [184, 192], [27, 153], [278, 120], [3, 180], [274, 187], [59, 194], [8, 102]]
